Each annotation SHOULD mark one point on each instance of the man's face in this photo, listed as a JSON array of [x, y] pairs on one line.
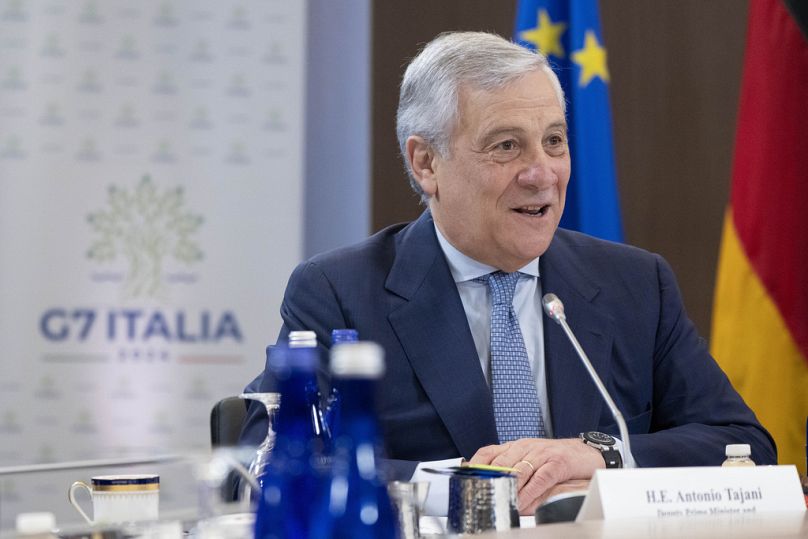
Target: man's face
[[499, 195]]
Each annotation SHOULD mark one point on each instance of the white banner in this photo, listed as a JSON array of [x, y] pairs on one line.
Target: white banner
[[150, 213]]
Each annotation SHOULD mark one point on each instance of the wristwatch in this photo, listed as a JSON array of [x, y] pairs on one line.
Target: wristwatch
[[606, 445]]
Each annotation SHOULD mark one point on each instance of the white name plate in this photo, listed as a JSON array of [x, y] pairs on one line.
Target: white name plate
[[692, 492]]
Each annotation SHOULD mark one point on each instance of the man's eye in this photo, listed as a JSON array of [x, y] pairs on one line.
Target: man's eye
[[555, 140], [507, 145]]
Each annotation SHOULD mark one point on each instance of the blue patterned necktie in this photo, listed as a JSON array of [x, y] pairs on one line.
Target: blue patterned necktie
[[516, 403]]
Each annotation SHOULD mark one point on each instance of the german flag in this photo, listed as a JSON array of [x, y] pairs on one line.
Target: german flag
[[760, 315]]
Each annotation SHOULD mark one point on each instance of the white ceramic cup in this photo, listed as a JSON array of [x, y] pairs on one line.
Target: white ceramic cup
[[120, 498]]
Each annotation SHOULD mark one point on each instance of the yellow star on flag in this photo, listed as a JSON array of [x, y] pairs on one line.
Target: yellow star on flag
[[592, 59], [546, 36]]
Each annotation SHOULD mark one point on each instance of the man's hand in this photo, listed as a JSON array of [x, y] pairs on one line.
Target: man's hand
[[541, 464]]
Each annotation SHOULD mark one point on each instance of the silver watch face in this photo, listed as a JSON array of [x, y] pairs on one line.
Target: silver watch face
[[599, 438]]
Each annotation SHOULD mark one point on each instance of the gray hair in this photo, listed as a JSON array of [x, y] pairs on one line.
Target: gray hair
[[427, 104]]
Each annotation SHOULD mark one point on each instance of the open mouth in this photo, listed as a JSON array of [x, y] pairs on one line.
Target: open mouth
[[532, 210]]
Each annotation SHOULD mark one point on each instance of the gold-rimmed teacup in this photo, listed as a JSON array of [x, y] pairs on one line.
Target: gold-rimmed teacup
[[120, 498]]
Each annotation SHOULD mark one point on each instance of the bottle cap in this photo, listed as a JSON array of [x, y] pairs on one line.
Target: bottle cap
[[35, 523], [362, 359], [344, 335], [738, 450], [302, 339]]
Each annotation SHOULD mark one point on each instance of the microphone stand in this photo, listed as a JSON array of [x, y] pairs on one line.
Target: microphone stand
[[555, 310]]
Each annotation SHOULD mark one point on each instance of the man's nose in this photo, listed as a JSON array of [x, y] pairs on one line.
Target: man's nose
[[537, 171]]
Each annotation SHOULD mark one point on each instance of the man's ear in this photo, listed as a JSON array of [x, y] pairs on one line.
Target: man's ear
[[421, 157]]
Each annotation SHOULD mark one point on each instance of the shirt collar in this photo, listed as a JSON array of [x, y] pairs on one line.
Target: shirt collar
[[464, 268]]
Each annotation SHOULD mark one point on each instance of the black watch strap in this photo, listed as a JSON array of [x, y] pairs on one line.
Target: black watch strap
[[606, 445], [612, 457]]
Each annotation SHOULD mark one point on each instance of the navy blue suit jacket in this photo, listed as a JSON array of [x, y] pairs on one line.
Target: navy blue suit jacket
[[623, 304]]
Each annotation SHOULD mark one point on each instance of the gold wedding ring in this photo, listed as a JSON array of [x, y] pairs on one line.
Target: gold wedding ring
[[532, 468]]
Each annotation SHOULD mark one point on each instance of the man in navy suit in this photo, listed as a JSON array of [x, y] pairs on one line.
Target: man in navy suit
[[482, 128]]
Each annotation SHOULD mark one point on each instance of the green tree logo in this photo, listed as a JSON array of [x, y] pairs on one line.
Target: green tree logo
[[145, 227]]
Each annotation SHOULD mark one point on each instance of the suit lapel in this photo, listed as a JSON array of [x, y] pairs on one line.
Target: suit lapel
[[433, 330], [575, 403]]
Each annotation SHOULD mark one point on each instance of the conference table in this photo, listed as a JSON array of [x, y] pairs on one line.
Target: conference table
[[181, 489], [785, 525]]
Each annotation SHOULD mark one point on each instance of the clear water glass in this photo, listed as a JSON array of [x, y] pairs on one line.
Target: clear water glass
[[272, 402]]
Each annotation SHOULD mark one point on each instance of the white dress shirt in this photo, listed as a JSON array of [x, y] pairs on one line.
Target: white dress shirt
[[476, 298]]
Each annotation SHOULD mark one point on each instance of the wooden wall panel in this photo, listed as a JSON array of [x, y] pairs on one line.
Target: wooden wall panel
[[399, 30]]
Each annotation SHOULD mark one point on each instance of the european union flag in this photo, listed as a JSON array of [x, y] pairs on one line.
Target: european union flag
[[568, 33]]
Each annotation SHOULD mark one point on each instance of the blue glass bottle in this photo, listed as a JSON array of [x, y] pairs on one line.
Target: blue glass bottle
[[297, 339], [354, 504], [292, 480], [332, 409], [308, 339]]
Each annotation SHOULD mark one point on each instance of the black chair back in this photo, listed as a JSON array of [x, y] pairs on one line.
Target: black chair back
[[226, 419]]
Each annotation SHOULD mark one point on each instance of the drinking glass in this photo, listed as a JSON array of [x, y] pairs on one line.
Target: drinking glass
[[272, 402]]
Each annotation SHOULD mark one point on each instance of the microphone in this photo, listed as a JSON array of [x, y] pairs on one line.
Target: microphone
[[555, 310]]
